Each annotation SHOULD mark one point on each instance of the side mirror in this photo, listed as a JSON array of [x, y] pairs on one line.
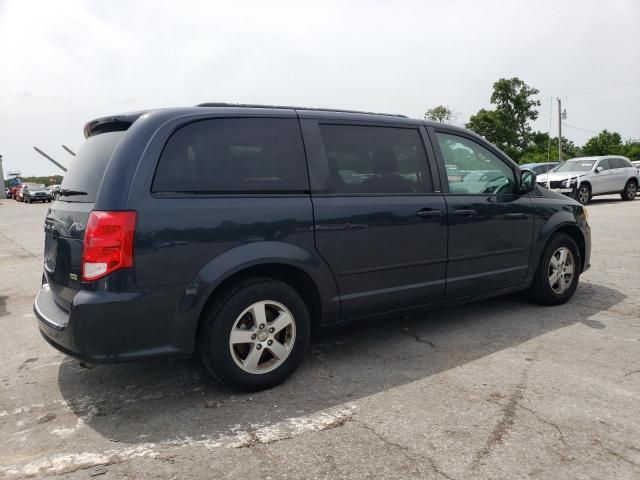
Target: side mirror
[[527, 180], [599, 169]]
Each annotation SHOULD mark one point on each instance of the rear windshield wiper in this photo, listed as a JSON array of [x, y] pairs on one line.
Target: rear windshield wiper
[[67, 193]]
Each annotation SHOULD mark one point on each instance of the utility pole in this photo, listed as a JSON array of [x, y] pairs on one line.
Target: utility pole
[[559, 129]]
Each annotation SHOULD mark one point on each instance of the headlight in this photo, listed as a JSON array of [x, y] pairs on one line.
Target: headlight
[[571, 182]]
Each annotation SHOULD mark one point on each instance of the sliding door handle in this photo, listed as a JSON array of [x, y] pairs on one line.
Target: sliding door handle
[[515, 216], [429, 213], [464, 213]]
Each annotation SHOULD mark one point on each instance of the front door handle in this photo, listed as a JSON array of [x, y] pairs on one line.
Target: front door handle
[[429, 213], [515, 216], [465, 213]]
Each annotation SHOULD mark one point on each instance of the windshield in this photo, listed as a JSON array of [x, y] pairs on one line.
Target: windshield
[[576, 166], [87, 168]]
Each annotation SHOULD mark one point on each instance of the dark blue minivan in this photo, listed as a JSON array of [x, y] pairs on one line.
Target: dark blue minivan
[[231, 231]]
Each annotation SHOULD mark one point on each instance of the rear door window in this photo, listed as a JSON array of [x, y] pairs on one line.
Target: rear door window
[[375, 160], [619, 163], [82, 180], [241, 155]]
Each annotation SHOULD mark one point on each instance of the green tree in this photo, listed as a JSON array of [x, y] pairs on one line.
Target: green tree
[[507, 126], [516, 106], [540, 151], [605, 143], [44, 180], [439, 114], [632, 149]]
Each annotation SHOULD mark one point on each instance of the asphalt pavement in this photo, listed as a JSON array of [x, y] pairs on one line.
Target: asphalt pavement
[[497, 389]]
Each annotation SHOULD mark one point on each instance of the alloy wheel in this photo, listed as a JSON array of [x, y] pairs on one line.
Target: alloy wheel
[[583, 195], [262, 337], [561, 270]]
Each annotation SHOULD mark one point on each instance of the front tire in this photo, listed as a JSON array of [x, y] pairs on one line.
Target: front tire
[[583, 194], [558, 271], [254, 334], [630, 190]]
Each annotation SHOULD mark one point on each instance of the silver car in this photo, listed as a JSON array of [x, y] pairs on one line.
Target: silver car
[[584, 177]]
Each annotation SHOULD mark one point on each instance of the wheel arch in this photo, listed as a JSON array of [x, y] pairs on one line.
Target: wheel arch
[[300, 268], [294, 276], [575, 233], [560, 222]]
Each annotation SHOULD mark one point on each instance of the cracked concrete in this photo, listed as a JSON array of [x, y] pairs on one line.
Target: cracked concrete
[[496, 389]]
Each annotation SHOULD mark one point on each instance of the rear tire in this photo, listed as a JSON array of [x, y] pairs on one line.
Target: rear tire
[[552, 284], [242, 341], [630, 190]]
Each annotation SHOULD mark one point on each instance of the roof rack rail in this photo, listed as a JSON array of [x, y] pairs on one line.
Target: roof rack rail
[[284, 107]]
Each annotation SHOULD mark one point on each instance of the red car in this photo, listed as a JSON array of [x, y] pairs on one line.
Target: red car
[[13, 191]]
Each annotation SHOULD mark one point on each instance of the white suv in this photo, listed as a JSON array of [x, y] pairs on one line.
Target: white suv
[[584, 177]]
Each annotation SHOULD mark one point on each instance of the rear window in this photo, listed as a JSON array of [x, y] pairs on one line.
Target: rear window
[[87, 168], [243, 155]]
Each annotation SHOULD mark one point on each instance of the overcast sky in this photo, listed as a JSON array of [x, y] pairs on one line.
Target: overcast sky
[[63, 63]]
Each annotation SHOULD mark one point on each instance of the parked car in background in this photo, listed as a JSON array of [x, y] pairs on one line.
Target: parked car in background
[[7, 192], [540, 168], [54, 190], [13, 191], [37, 194], [231, 231], [24, 188], [584, 177], [19, 195]]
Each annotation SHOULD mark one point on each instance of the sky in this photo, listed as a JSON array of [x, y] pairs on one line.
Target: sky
[[65, 62]]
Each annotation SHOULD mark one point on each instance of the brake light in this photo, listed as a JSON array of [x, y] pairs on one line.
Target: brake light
[[108, 243]]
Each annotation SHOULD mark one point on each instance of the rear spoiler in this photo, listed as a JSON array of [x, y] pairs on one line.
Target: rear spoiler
[[114, 123]]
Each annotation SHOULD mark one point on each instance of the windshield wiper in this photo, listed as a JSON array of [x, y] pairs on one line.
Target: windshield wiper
[[67, 193]]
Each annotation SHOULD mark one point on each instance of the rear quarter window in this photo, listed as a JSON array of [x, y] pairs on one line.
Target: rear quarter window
[[88, 166], [225, 155]]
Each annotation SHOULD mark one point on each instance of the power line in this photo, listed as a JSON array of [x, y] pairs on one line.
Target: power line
[[579, 128]]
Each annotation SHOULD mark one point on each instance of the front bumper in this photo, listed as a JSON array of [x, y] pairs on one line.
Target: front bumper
[[568, 191], [105, 327]]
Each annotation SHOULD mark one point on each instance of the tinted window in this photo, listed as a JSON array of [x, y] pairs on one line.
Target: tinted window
[[233, 155], [364, 159], [472, 169], [88, 166], [619, 163]]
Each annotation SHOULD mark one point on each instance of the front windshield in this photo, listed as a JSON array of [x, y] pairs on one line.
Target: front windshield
[[576, 166]]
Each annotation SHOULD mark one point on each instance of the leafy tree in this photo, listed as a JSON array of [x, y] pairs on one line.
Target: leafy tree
[[44, 180], [539, 151], [490, 125], [632, 149], [605, 143], [439, 114], [516, 106], [507, 126]]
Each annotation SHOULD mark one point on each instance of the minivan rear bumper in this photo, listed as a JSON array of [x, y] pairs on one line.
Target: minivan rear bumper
[[103, 327]]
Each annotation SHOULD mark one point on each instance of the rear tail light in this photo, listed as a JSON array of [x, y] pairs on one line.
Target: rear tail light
[[108, 243]]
